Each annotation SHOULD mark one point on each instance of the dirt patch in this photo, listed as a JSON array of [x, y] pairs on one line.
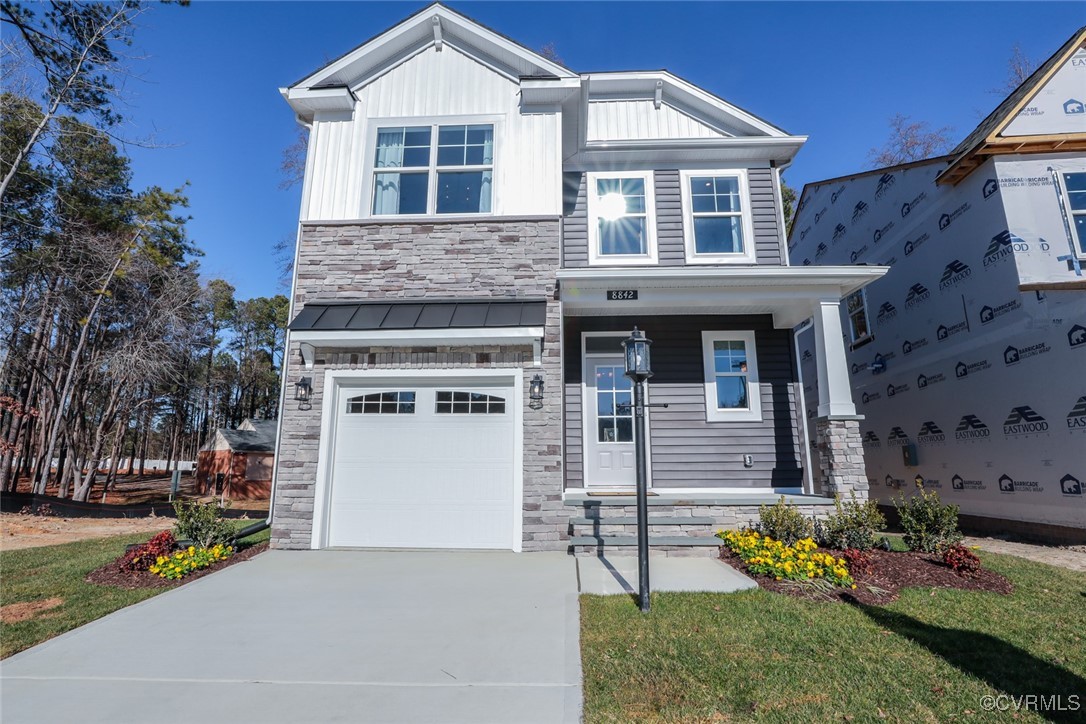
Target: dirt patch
[[24, 611], [890, 572], [19, 531], [111, 574]]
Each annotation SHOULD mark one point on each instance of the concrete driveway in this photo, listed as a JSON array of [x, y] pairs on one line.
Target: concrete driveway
[[323, 636]]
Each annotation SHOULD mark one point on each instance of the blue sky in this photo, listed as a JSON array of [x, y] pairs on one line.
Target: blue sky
[[208, 84]]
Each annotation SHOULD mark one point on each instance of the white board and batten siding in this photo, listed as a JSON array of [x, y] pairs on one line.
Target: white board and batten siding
[[640, 120], [429, 87]]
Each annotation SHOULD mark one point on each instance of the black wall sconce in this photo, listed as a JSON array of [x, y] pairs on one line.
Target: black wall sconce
[[535, 393], [303, 390]]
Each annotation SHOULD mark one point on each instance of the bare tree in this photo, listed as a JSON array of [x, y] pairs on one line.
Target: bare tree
[[292, 164], [1019, 67], [910, 141], [550, 52]]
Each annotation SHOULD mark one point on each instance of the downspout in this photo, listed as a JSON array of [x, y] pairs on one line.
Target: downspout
[[808, 473]]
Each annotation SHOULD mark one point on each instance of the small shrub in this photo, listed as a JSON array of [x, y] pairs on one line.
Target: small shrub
[[927, 524], [961, 560], [855, 524], [783, 522], [143, 556], [799, 562], [858, 561], [191, 559], [201, 523]]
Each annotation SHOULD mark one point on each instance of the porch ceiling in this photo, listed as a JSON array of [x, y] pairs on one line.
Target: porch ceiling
[[788, 293]]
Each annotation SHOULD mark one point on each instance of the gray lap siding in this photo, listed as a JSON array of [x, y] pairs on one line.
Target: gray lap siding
[[687, 450]]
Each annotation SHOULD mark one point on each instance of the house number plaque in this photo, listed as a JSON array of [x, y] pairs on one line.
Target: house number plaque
[[621, 295]]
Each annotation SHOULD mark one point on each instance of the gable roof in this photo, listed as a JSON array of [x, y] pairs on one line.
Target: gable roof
[[987, 137], [261, 440], [433, 25]]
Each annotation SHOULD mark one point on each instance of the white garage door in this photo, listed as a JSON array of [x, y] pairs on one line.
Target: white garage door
[[424, 465]]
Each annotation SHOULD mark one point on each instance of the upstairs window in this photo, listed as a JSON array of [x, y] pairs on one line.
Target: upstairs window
[[414, 175], [717, 227], [1075, 183], [621, 218], [856, 306]]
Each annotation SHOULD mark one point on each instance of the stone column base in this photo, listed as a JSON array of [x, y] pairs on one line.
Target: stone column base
[[841, 457]]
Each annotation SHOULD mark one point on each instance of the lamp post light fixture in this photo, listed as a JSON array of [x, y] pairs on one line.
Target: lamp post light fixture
[[535, 393], [639, 369]]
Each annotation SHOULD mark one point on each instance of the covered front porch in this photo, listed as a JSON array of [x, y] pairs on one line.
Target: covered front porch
[[736, 432]]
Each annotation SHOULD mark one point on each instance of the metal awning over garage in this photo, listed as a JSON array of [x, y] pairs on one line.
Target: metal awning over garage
[[419, 322]]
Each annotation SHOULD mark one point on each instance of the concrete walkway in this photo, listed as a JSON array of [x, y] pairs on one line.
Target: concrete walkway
[[323, 636], [618, 574], [1073, 558]]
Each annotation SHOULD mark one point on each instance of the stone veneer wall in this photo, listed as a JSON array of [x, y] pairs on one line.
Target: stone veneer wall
[[841, 457], [476, 259]]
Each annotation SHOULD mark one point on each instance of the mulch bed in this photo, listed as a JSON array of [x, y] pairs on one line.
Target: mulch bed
[[890, 572], [111, 575]]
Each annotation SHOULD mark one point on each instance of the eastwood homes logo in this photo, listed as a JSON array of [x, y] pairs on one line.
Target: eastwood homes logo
[[909, 206], [806, 262], [971, 428], [821, 250], [1007, 484], [964, 369], [949, 218], [1002, 247], [925, 381], [885, 182], [990, 314], [870, 439], [858, 211], [1076, 418], [870, 397], [886, 312], [1076, 336], [918, 294], [1024, 420], [1070, 485], [990, 187], [837, 194], [908, 346], [879, 233], [913, 245], [807, 356], [930, 434], [1013, 355], [897, 438], [893, 389], [838, 232], [959, 483], [954, 274], [943, 332]]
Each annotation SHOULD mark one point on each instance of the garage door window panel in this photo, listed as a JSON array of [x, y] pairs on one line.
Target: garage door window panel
[[400, 402], [458, 402]]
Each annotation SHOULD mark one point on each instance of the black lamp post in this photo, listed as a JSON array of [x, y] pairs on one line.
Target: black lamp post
[[638, 369]]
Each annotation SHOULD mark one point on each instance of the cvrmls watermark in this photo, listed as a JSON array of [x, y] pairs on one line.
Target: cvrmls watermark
[[1031, 702]]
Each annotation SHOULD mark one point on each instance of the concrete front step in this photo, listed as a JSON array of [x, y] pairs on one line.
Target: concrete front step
[[631, 540], [632, 520]]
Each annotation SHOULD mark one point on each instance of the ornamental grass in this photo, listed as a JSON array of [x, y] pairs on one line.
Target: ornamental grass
[[190, 559], [801, 561]]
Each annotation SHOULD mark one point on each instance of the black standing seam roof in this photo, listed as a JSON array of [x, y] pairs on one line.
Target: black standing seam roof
[[420, 314]]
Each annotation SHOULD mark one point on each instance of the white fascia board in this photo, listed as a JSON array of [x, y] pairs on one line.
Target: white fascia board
[[534, 91], [847, 278], [308, 101]]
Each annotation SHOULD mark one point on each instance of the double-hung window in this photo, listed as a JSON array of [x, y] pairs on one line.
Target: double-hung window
[[434, 169], [621, 218], [717, 226], [732, 393], [1075, 184], [856, 306]]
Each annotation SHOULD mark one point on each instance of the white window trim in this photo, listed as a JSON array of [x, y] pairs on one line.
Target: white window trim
[[848, 317], [594, 256], [754, 393], [748, 255], [1065, 201], [370, 170]]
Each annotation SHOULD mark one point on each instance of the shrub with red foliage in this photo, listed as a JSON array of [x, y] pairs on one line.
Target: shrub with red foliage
[[961, 560], [143, 556], [858, 561]]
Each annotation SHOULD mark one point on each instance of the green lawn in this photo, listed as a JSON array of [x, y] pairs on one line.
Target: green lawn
[[39, 574], [928, 657]]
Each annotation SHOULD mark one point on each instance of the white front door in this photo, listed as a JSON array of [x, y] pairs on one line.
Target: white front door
[[424, 463], [608, 424]]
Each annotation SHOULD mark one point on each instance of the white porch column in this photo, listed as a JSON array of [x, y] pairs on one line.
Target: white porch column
[[834, 391]]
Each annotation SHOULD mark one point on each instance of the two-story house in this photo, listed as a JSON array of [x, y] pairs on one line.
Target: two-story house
[[968, 359], [480, 229]]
